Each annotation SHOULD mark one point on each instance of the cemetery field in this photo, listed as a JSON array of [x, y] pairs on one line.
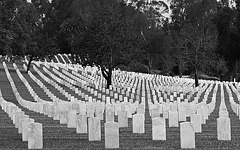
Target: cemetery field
[[50, 89]]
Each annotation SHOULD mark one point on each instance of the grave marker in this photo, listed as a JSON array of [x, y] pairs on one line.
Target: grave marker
[[158, 128], [122, 118], [35, 136], [187, 135], [111, 135], [94, 129], [223, 128], [138, 123], [81, 123]]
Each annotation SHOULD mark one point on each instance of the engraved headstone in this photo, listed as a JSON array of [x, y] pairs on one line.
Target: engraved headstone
[[196, 120], [182, 114], [111, 135], [71, 119], [173, 118], [122, 118], [138, 123], [90, 110], [94, 129], [187, 135], [35, 136], [63, 116], [25, 124], [158, 128], [155, 112], [109, 115], [223, 128], [81, 123]]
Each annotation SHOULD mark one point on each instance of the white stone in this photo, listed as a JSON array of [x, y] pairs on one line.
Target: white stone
[[158, 128], [71, 119], [223, 128], [122, 119], [25, 124], [111, 135], [109, 115], [187, 135], [196, 120], [94, 129], [138, 123], [81, 123], [182, 114], [173, 118], [35, 136]]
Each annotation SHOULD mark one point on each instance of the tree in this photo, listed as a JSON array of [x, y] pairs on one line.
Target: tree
[[198, 50], [109, 39], [195, 35], [25, 30], [156, 47], [227, 21]]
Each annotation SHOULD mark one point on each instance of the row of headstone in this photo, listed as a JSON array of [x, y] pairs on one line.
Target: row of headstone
[[30, 130], [223, 122], [137, 126], [70, 119]]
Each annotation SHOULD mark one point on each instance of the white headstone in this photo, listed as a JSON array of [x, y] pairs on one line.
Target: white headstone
[[187, 135], [138, 123], [35, 136], [81, 123], [173, 118], [122, 118], [196, 120], [158, 128], [94, 129], [71, 119], [223, 128], [111, 135]]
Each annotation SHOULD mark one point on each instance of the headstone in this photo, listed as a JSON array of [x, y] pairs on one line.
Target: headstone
[[81, 123], [18, 114], [155, 112], [75, 106], [71, 119], [35, 136], [166, 109], [138, 123], [158, 128], [173, 118], [25, 124], [187, 135], [109, 115], [196, 120], [99, 112], [111, 135], [63, 116], [140, 109], [83, 108], [182, 115], [56, 113], [94, 129], [223, 128], [122, 118], [90, 110], [21, 119]]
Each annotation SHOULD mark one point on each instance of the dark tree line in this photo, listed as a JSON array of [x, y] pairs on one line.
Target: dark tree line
[[200, 36]]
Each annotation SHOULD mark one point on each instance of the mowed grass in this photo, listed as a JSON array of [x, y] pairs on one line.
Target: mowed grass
[[56, 136]]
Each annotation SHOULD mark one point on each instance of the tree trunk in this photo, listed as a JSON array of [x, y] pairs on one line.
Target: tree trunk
[[29, 63], [196, 78], [109, 80], [149, 64], [107, 75], [180, 71]]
